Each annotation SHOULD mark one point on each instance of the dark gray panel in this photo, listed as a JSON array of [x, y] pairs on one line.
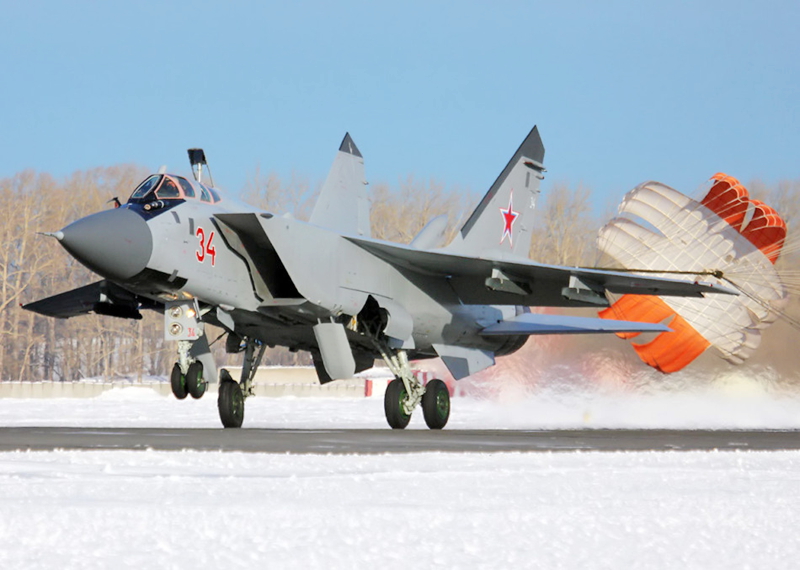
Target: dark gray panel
[[349, 146], [326, 441]]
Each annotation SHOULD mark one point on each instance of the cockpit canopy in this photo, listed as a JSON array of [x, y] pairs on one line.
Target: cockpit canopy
[[171, 187]]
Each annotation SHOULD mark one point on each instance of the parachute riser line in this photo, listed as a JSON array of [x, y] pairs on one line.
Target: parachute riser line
[[397, 362], [794, 323], [715, 273]]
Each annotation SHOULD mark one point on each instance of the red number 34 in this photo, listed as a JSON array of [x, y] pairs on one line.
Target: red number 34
[[205, 246]]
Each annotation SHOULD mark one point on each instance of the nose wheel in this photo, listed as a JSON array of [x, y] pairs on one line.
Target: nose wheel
[[178, 382], [195, 382]]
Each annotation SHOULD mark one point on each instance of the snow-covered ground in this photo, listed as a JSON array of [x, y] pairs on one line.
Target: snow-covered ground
[[739, 406], [146, 509], [126, 509]]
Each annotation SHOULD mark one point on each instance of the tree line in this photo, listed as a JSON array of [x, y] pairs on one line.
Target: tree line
[[33, 266]]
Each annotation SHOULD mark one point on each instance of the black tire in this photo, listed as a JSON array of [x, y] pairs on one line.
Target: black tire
[[393, 405], [436, 404], [195, 382], [230, 402], [178, 382]]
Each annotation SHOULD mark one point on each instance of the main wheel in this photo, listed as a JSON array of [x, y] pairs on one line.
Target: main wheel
[[230, 401], [195, 382], [393, 405], [436, 404], [178, 382]]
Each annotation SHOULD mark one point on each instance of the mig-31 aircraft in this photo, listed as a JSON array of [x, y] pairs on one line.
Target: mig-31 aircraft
[[326, 286]]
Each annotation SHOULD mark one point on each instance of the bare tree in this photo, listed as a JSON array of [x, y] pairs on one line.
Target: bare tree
[[399, 214], [564, 232]]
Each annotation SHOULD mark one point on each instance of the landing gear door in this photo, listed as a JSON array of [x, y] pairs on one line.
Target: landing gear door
[[334, 348], [181, 320], [201, 352]]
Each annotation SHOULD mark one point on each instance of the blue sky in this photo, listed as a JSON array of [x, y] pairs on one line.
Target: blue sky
[[622, 91]]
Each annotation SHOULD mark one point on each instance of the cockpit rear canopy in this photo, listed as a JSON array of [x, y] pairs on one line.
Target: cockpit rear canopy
[[171, 187]]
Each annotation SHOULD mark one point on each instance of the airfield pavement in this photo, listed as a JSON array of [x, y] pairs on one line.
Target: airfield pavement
[[382, 441]]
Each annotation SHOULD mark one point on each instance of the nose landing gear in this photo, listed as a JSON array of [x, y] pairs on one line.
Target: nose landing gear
[[195, 365], [187, 374]]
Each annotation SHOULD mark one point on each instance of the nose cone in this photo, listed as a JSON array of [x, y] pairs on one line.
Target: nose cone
[[114, 243]]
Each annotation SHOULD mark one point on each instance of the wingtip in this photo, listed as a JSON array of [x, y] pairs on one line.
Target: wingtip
[[349, 146]]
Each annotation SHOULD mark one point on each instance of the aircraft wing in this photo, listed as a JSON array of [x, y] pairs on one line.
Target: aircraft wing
[[510, 280], [102, 297], [535, 323]]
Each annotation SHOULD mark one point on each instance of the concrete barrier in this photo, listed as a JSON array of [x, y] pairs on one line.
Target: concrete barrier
[[79, 389]]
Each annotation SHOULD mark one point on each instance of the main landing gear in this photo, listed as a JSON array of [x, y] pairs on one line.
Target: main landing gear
[[405, 393], [232, 394]]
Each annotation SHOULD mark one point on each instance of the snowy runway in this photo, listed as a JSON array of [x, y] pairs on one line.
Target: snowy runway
[[386, 441], [185, 509]]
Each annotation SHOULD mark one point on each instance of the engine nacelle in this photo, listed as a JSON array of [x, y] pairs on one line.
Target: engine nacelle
[[509, 344], [385, 316]]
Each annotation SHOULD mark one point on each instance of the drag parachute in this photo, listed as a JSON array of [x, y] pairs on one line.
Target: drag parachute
[[725, 237]]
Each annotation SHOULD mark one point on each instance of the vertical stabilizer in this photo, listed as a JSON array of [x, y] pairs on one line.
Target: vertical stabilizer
[[342, 204], [504, 218]]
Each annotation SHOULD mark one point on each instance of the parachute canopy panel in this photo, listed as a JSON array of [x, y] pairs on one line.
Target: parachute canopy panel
[[726, 236]]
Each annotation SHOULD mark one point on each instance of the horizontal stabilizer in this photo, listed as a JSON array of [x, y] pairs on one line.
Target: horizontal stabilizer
[[462, 361], [535, 323]]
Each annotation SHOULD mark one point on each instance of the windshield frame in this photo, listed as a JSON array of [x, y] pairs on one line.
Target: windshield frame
[[143, 189]]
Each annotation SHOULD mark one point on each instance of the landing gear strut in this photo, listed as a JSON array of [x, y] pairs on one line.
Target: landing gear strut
[[232, 394], [182, 323]]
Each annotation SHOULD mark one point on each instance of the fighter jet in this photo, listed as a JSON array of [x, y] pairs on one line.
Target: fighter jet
[[185, 249]]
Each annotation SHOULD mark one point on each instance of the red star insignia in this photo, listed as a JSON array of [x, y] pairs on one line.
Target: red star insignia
[[509, 216]]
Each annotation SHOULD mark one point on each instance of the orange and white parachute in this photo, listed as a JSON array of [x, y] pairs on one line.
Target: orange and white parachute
[[726, 237]]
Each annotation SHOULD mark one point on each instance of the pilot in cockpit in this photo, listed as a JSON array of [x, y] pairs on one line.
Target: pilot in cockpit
[[168, 189]]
